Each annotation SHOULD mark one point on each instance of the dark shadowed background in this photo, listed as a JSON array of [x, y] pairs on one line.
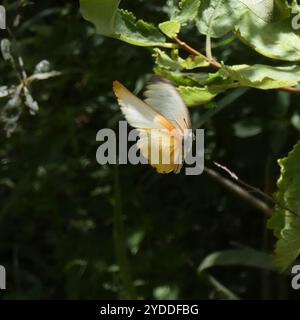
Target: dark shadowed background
[[58, 206]]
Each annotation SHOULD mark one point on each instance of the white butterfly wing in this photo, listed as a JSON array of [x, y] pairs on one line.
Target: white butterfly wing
[[165, 99], [137, 112], [164, 115]]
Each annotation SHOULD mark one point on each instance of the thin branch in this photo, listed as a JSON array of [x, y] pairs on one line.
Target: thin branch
[[255, 189], [239, 191], [194, 52]]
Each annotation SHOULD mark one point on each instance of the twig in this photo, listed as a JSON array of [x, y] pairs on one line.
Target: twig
[[241, 192], [194, 52], [254, 189]]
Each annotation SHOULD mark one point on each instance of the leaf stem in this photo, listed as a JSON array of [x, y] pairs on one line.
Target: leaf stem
[[168, 45]]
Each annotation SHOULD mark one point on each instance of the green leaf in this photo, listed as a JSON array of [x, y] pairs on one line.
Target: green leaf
[[136, 32], [181, 78], [284, 223], [101, 13], [263, 76], [194, 78], [163, 60], [170, 28], [276, 39], [264, 25], [218, 17], [191, 63], [121, 24], [282, 9], [288, 246], [239, 257], [188, 10], [263, 9], [196, 96]]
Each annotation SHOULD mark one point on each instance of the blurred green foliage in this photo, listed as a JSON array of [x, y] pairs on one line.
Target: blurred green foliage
[[58, 205]]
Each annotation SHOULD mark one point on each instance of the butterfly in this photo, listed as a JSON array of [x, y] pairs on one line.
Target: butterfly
[[163, 123]]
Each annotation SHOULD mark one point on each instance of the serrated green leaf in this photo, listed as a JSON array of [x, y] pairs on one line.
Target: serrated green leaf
[[174, 62], [191, 63], [136, 32], [182, 78], [238, 257], [196, 78], [188, 10], [286, 225], [288, 246], [170, 28], [163, 60], [121, 24], [263, 76]]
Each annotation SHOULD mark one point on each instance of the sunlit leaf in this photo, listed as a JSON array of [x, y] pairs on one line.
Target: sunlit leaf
[[175, 62], [263, 76], [285, 222], [263, 9], [170, 28], [276, 39], [196, 96], [188, 10], [218, 17], [121, 24], [101, 13]]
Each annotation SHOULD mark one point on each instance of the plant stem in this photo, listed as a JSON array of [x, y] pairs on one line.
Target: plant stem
[[241, 192], [194, 52]]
